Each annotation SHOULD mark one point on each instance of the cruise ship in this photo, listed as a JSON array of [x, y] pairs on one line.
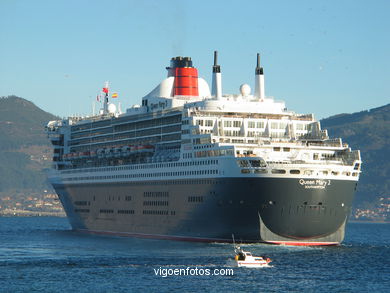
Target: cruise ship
[[196, 164]]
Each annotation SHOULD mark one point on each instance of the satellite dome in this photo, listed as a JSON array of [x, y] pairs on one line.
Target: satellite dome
[[245, 89], [111, 108]]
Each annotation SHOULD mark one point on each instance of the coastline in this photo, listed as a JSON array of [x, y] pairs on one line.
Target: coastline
[[26, 213], [368, 222]]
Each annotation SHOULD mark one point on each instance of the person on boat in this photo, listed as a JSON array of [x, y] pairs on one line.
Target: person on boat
[[240, 256]]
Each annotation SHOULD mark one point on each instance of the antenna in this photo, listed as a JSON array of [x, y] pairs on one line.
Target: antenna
[[236, 248], [105, 102]]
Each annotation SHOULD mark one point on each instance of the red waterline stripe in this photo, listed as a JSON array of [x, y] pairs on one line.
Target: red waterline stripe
[[293, 243]]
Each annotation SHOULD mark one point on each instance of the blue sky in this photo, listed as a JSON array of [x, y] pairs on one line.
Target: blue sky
[[321, 57]]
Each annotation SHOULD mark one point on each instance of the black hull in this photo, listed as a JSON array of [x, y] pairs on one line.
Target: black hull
[[273, 210]]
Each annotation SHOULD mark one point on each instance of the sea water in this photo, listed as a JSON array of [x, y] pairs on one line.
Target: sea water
[[42, 254]]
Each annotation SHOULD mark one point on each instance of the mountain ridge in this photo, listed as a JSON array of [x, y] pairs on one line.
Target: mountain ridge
[[24, 148], [367, 131]]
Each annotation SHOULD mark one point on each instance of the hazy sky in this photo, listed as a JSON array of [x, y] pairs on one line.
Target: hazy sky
[[321, 57]]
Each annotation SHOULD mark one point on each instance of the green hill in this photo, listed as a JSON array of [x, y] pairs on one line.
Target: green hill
[[368, 131], [24, 148]]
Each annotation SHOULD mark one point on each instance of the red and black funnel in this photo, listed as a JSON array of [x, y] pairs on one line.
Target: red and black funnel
[[186, 77]]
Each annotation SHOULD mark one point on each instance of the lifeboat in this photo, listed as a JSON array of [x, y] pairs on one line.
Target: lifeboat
[[83, 155], [108, 153], [145, 148], [117, 152], [75, 156], [125, 149], [100, 153]]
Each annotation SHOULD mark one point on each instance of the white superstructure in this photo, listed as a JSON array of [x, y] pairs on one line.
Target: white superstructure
[[249, 134]]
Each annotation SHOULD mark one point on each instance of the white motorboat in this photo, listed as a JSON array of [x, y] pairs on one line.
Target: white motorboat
[[246, 259]]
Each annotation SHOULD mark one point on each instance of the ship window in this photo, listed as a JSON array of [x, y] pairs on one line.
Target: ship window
[[228, 133], [260, 124], [209, 123], [195, 199], [276, 149], [295, 171], [255, 163], [129, 212], [81, 210], [335, 173], [243, 163], [278, 171]]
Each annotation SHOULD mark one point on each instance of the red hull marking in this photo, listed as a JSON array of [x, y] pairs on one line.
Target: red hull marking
[[292, 243]]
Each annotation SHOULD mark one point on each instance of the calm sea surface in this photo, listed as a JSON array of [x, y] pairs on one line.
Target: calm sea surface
[[42, 254]]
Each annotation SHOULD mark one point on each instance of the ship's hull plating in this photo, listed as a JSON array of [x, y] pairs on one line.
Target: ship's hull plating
[[275, 210]]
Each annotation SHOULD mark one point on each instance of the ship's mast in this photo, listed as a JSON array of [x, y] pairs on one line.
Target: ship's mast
[[105, 102]]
